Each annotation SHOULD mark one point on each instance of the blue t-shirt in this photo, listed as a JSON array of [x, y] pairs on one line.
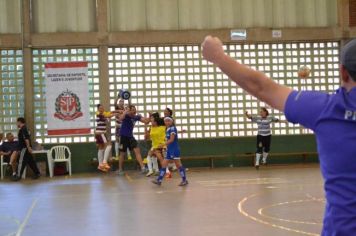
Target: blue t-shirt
[[333, 120], [9, 146], [173, 146], [128, 124]]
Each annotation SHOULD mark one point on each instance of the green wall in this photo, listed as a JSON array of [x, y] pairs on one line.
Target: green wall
[[82, 153]]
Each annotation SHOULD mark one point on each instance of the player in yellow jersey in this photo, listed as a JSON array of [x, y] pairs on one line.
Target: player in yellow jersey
[[157, 134]]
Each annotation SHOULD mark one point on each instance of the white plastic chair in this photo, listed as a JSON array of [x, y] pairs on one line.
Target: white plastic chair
[[61, 154], [3, 165]]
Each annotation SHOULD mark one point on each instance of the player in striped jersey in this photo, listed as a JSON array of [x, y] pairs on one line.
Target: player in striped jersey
[[103, 140], [264, 134]]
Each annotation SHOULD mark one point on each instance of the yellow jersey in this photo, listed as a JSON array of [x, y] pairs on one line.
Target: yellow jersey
[[158, 136]]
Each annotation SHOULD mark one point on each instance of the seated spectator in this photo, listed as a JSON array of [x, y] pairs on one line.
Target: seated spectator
[[10, 151]]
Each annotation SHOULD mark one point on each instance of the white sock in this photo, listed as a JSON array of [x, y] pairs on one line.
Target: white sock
[[101, 156], [107, 154], [117, 152], [258, 157], [265, 155], [155, 164], [149, 163]]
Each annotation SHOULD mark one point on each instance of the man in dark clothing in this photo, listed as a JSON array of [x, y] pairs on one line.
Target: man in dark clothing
[[25, 150], [10, 151]]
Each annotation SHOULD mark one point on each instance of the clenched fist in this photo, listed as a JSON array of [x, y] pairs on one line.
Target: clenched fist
[[212, 49]]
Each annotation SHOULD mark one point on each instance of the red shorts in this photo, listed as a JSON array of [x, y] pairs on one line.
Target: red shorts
[[101, 138]]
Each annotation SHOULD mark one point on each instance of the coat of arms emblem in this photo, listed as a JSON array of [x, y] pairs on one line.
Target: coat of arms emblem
[[68, 106]]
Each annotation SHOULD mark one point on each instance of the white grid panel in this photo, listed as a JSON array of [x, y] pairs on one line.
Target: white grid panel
[[11, 89], [205, 102], [42, 56]]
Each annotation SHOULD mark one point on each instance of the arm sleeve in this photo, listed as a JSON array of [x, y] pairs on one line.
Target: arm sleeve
[[26, 134], [138, 118], [305, 107]]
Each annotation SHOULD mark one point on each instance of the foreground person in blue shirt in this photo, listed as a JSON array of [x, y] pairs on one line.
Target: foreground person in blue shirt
[[331, 117]]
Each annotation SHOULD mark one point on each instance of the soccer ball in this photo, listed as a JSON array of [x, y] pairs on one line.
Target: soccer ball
[[303, 72]]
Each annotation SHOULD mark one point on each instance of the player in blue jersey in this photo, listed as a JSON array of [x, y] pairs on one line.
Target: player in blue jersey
[[332, 117], [173, 153]]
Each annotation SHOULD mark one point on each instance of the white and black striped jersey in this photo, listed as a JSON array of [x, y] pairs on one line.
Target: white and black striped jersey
[[264, 124]]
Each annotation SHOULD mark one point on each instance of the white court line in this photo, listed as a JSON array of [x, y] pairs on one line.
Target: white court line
[[28, 215]]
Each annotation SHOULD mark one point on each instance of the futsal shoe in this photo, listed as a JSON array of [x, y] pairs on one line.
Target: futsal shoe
[[169, 175], [36, 176], [106, 166], [102, 168], [15, 178], [183, 183], [149, 173], [157, 182]]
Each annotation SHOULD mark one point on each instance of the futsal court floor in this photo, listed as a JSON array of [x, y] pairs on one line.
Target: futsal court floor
[[276, 200]]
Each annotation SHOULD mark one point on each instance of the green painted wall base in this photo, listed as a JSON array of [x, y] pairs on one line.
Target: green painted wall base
[[83, 153]]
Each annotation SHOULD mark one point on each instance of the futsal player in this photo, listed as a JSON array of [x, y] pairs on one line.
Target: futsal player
[[173, 153], [264, 134], [157, 133], [127, 139], [103, 141], [332, 117]]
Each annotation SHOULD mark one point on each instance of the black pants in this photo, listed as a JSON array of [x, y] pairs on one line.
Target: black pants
[[263, 143], [26, 158]]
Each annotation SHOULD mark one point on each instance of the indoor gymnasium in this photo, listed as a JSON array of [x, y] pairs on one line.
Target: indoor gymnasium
[[178, 117]]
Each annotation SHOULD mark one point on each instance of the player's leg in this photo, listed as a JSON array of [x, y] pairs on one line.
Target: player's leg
[[150, 163], [259, 146], [124, 144], [158, 155], [107, 153], [162, 172], [182, 172], [266, 148], [134, 146]]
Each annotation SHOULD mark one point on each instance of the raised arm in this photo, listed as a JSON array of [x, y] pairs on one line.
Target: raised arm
[[248, 115], [254, 82], [144, 120]]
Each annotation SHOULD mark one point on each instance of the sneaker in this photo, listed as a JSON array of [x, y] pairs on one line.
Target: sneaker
[[168, 175], [121, 173], [150, 173], [36, 176], [15, 178], [257, 167], [102, 168], [156, 173], [143, 171], [264, 163], [106, 166], [157, 182], [183, 183]]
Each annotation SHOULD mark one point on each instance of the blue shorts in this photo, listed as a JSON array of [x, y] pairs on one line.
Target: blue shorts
[[173, 154]]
